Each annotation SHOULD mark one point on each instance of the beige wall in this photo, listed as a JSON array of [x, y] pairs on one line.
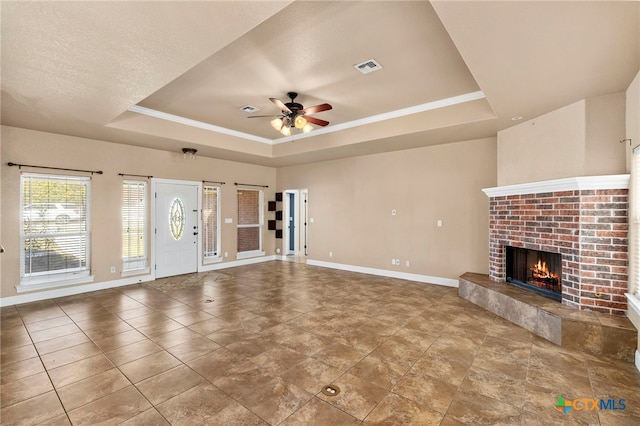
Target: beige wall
[[632, 126], [632, 117], [46, 149], [581, 139], [351, 201], [605, 128]]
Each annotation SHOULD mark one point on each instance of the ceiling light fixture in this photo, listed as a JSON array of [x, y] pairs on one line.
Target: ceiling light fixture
[[294, 115], [283, 125], [300, 122], [277, 123], [189, 153]]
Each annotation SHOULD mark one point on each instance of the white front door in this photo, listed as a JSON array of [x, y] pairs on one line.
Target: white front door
[[176, 223]]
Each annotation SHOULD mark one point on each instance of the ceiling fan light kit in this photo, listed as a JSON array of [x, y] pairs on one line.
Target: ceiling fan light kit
[[277, 124], [295, 115], [300, 122]]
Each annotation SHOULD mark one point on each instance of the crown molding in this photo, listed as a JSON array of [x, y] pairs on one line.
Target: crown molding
[[441, 103], [566, 184]]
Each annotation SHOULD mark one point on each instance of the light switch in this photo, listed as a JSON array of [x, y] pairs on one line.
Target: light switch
[[228, 220]]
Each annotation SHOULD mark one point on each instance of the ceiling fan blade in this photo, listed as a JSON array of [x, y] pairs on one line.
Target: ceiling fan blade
[[317, 108], [280, 105], [316, 121]]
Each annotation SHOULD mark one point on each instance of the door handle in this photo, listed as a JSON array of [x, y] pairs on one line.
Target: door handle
[[195, 233]]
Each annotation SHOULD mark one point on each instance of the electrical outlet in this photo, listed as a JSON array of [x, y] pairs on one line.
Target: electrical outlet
[[113, 269], [393, 261], [407, 263], [330, 254], [226, 254]]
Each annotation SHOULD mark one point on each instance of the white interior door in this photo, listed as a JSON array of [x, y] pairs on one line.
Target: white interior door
[[176, 223]]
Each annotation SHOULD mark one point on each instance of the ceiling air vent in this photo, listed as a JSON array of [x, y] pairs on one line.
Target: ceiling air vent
[[368, 66], [249, 109]]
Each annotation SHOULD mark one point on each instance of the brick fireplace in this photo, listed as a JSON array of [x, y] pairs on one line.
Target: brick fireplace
[[583, 219]]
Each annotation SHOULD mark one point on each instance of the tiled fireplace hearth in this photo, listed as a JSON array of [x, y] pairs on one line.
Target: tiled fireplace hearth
[[583, 219]]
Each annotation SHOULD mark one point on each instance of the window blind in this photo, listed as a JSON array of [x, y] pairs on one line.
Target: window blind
[[55, 227], [249, 220], [634, 224], [210, 221], [134, 225]]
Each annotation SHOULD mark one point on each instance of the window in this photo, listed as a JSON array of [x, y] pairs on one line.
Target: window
[[54, 237], [634, 225], [177, 218], [210, 222], [249, 222], [134, 225]]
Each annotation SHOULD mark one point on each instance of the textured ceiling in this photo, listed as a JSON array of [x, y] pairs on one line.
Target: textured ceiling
[[174, 74]]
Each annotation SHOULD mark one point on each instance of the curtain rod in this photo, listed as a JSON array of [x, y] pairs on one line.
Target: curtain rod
[[633, 150], [213, 181], [127, 174], [55, 168], [250, 184]]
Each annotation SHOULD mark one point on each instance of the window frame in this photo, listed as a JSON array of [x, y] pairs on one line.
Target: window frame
[[30, 281], [259, 225], [144, 266]]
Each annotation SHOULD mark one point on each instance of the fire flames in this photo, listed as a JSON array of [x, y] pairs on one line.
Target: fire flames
[[541, 271]]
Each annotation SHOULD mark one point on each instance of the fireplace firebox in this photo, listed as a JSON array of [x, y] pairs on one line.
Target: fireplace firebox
[[534, 270]]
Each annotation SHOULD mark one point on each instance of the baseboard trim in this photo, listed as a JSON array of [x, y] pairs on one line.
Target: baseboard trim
[[86, 288], [447, 282], [234, 263], [72, 290], [104, 285]]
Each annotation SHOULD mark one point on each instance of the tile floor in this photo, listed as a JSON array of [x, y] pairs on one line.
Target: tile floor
[[254, 345]]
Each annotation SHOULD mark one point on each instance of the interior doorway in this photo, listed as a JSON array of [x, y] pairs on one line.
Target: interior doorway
[[295, 225], [291, 223]]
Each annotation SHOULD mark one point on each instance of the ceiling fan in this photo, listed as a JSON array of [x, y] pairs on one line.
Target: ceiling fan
[[295, 115]]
